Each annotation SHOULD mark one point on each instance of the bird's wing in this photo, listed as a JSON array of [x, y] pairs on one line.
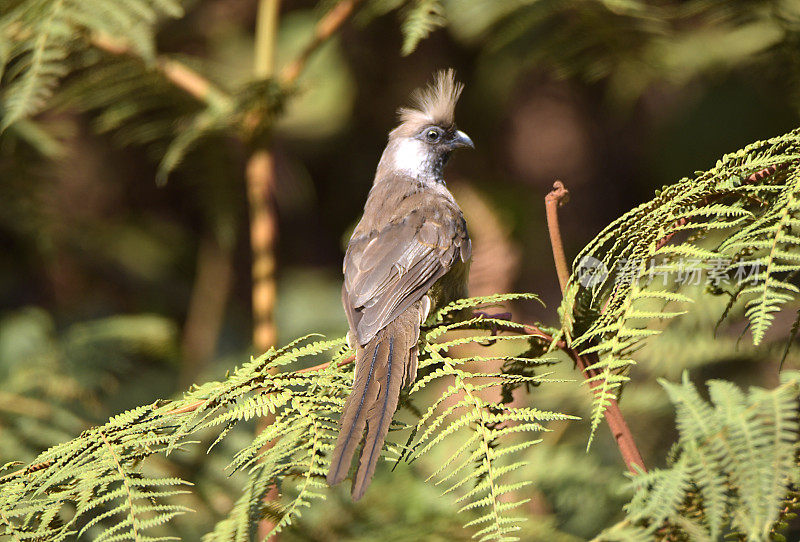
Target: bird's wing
[[387, 270]]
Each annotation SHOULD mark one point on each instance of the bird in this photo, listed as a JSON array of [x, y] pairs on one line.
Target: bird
[[408, 255]]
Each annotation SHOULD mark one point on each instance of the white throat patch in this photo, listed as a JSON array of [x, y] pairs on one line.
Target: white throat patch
[[411, 157]]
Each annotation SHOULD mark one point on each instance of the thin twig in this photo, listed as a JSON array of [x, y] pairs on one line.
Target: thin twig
[[346, 361], [557, 196], [613, 414], [529, 329], [191, 407], [324, 29], [265, 39], [179, 74]]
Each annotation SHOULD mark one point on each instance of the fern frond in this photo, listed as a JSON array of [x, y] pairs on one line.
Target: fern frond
[[736, 461], [775, 235], [482, 459], [39, 61], [481, 302], [41, 34], [97, 477], [420, 19], [96, 485], [610, 316], [136, 106]]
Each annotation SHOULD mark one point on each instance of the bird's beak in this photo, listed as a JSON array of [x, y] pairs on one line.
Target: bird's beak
[[462, 140]]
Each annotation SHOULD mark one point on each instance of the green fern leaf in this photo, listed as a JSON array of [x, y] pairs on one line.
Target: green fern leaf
[[735, 461], [421, 18], [40, 35]]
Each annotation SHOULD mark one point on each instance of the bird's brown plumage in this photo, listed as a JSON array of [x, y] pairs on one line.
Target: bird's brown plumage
[[410, 252]]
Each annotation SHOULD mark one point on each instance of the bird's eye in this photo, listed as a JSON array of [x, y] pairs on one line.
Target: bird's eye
[[432, 135]]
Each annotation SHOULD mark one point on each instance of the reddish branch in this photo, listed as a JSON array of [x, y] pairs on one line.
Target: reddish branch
[[613, 414], [616, 421], [558, 196]]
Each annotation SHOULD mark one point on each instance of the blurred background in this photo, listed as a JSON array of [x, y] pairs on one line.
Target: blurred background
[[116, 292]]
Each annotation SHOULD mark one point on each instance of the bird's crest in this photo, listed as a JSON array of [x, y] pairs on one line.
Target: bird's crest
[[434, 104]]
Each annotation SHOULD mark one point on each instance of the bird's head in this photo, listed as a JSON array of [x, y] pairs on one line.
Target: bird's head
[[421, 145]]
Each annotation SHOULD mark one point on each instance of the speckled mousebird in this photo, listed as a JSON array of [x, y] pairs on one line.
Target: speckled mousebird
[[408, 255]]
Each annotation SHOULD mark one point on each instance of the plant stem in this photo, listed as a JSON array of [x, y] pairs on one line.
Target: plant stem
[[260, 193], [260, 166], [324, 29], [266, 34], [558, 196], [177, 73], [263, 220], [263, 236], [616, 421]]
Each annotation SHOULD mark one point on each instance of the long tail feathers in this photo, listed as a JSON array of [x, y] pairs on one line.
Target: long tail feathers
[[379, 419], [354, 416], [382, 368]]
